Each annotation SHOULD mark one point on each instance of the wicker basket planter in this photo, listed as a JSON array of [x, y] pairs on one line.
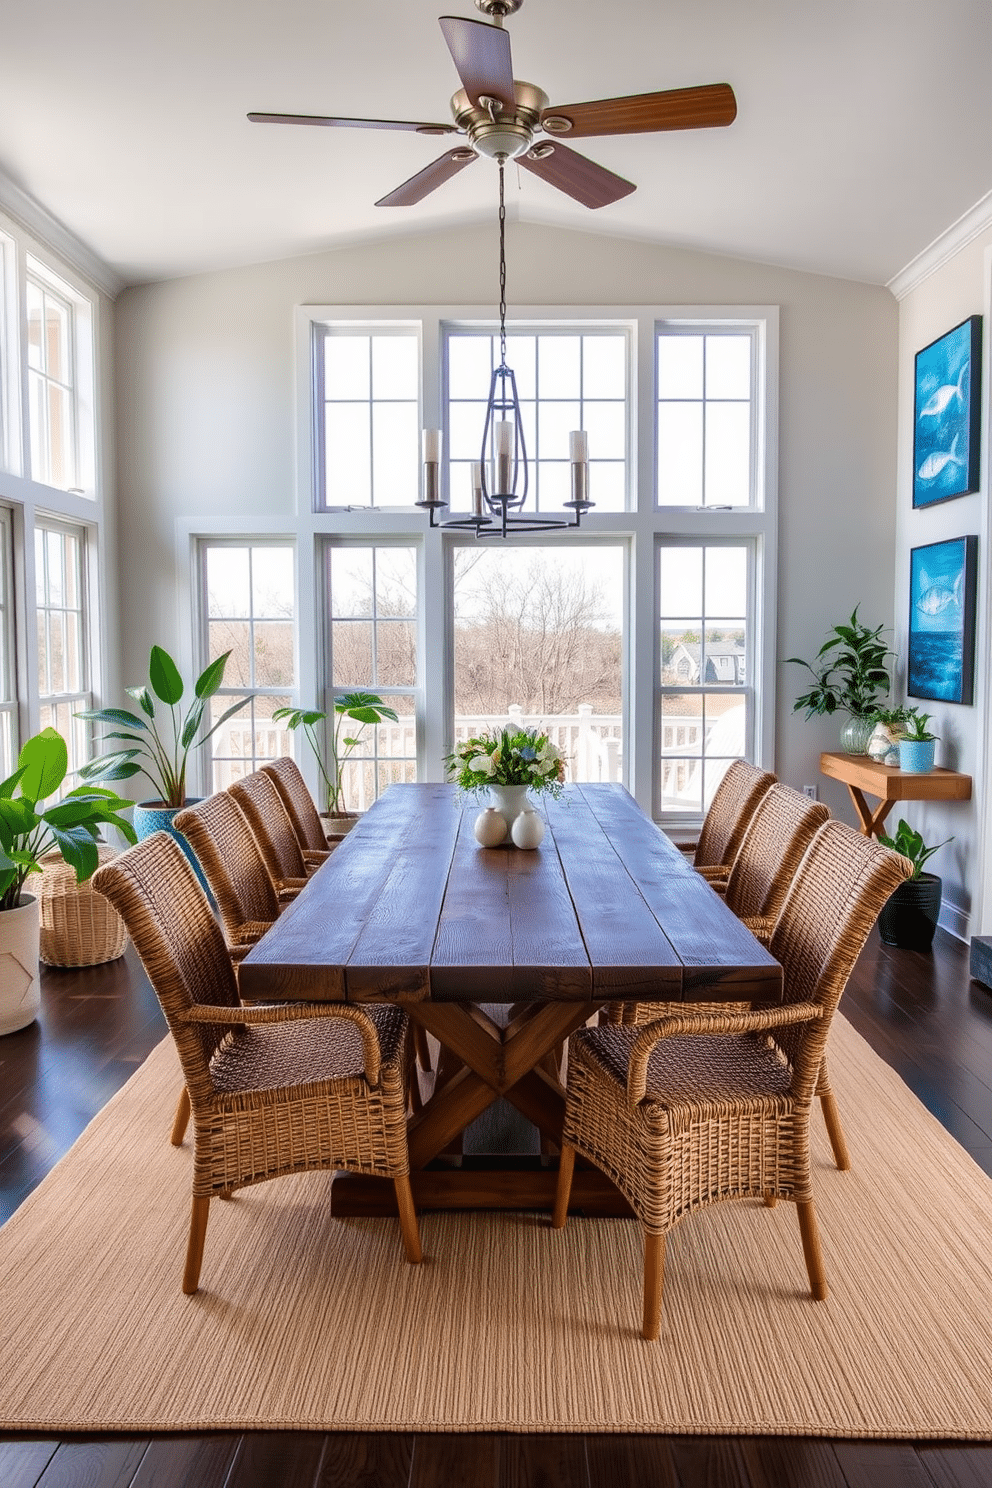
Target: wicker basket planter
[[78, 926]]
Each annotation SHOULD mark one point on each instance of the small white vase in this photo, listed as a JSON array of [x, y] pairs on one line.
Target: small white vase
[[20, 981], [509, 801], [528, 829], [490, 827]]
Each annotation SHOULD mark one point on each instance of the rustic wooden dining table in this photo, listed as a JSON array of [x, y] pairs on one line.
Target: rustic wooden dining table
[[500, 954]]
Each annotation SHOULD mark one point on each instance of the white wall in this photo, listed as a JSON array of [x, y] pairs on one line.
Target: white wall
[[206, 411], [948, 296]]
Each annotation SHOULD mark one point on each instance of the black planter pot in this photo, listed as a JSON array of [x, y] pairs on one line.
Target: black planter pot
[[909, 918]]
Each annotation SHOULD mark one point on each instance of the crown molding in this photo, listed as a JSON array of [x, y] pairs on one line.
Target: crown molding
[[40, 222], [975, 221]]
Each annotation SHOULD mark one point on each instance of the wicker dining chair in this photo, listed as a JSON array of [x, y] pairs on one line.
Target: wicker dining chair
[[274, 1089], [734, 803], [777, 837], [278, 843], [294, 793], [702, 1106], [224, 843]]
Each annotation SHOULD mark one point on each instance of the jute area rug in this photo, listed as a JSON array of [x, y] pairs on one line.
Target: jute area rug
[[307, 1322]]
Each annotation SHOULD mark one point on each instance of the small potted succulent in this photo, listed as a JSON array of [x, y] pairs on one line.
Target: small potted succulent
[[362, 708], [917, 744], [850, 675], [29, 829], [909, 917]]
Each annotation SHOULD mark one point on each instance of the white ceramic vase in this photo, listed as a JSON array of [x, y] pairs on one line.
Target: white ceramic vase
[[490, 827], [528, 829], [509, 801], [20, 981]]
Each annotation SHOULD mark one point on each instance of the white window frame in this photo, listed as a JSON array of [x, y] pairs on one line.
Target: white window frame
[[81, 699], [641, 526], [82, 358], [8, 649], [682, 326]]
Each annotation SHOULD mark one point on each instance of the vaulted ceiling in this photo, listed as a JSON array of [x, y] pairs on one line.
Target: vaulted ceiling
[[864, 127]]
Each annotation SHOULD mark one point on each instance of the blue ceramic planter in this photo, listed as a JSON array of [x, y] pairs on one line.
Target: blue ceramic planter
[[916, 756], [152, 816]]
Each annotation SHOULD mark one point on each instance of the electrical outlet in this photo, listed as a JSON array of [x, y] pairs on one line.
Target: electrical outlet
[[810, 790]]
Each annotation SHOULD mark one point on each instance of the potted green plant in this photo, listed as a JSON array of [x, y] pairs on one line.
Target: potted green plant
[[917, 744], [29, 828], [850, 674], [508, 763], [909, 918], [362, 708]]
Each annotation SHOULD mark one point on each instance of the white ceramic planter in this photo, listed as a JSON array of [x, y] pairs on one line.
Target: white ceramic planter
[[509, 801], [20, 981]]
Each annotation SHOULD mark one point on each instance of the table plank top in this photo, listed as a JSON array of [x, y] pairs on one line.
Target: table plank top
[[411, 908]]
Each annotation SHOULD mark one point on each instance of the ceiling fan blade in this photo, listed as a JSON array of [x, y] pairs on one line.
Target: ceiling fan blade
[[329, 122], [481, 54], [591, 184], [706, 107], [429, 179]]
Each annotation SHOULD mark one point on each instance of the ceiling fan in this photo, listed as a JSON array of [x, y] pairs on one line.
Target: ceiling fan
[[501, 117]]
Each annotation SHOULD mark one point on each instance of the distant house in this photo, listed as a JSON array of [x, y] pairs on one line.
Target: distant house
[[725, 662]]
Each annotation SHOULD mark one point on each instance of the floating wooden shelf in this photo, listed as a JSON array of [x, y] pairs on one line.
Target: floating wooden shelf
[[866, 777]]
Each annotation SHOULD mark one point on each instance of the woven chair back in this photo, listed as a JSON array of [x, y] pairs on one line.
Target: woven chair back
[[219, 833], [733, 805], [842, 883], [772, 848], [157, 895], [294, 793], [269, 820]]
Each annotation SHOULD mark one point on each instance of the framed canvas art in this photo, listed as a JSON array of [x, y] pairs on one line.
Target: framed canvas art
[[947, 414], [942, 620]]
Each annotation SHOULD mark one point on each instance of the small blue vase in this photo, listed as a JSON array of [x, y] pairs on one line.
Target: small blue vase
[[152, 816], [916, 756]]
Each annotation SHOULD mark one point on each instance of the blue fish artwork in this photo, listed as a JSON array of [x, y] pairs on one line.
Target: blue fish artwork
[[945, 426], [942, 620]]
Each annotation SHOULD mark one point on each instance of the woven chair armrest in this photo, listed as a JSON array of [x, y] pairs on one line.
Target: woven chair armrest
[[314, 856], [292, 1012], [682, 1025], [760, 926], [249, 933], [288, 888], [714, 873], [687, 847]]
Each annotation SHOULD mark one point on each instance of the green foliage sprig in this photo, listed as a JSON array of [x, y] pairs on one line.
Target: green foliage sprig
[[362, 708], [915, 730], [508, 757], [161, 760], [29, 828], [850, 673], [910, 843]]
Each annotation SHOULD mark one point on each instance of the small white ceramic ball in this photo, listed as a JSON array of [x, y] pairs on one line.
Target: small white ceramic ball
[[528, 829], [490, 827]]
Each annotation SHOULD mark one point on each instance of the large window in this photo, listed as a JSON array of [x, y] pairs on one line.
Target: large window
[[564, 381], [370, 605], [705, 417], [60, 382], [538, 640], [63, 671], [250, 609], [368, 417], [706, 708]]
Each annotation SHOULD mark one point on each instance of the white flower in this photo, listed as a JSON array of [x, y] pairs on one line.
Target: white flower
[[483, 764]]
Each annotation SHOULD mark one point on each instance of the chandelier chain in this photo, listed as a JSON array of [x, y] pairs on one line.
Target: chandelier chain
[[502, 269]]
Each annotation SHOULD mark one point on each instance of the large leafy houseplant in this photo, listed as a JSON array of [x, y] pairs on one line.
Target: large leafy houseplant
[[29, 827], [360, 707], [851, 671], [160, 754]]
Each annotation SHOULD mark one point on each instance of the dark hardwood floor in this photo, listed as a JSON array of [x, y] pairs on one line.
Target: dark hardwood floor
[[920, 1012]]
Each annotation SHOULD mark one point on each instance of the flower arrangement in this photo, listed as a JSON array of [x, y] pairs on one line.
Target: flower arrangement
[[508, 757]]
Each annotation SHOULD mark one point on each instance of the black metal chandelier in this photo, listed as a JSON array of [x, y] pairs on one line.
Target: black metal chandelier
[[501, 477]]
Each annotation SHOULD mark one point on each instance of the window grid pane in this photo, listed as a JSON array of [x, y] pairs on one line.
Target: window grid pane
[[250, 610], [564, 381], [52, 398], [371, 604], [705, 416], [63, 674], [706, 692], [369, 387]]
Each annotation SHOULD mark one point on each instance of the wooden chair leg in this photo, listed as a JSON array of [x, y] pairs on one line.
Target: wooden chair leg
[[566, 1166], [831, 1116], [654, 1281], [182, 1119], [409, 1228], [811, 1249], [194, 1249]]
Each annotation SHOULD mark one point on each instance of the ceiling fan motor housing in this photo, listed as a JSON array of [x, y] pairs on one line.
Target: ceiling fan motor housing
[[496, 131]]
